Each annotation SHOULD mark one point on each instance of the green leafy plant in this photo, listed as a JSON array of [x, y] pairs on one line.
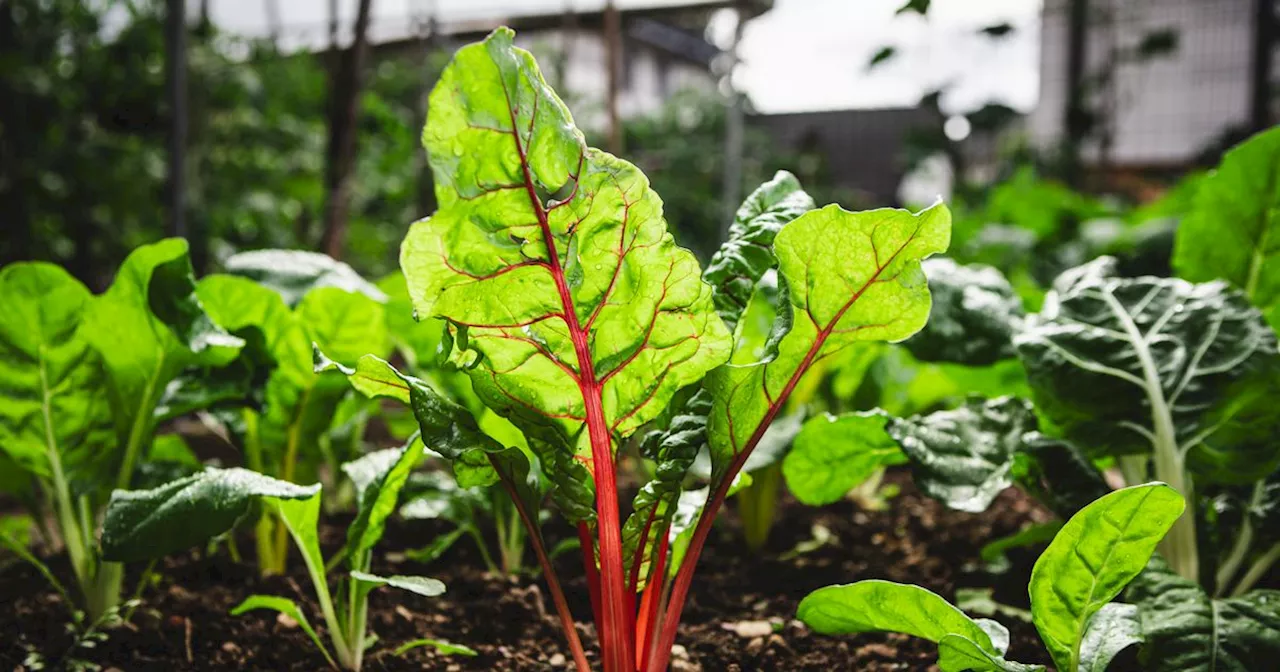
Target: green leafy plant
[[282, 303], [578, 319], [87, 380], [144, 524], [1088, 563]]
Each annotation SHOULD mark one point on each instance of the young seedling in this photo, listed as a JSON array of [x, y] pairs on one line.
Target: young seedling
[[1095, 555], [150, 523], [87, 380], [577, 318]]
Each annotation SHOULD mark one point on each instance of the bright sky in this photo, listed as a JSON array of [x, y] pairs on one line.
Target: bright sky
[[807, 55], [803, 55]]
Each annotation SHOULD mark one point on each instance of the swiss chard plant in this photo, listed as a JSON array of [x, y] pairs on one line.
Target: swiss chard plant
[[283, 303], [1151, 378], [87, 380], [578, 319], [146, 524], [1086, 566]]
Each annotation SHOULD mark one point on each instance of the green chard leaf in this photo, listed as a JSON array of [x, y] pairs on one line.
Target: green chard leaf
[[965, 457], [1093, 557], [294, 273], [54, 422], [1111, 360], [568, 301], [148, 327], [378, 477], [145, 524], [1114, 628], [972, 317], [849, 277], [834, 454], [420, 585], [885, 606], [1184, 629], [1233, 229]]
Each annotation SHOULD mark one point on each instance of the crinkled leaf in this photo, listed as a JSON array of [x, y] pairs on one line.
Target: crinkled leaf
[[294, 273], [55, 414], [288, 608], [565, 293], [673, 450], [148, 327], [972, 317], [957, 653], [1107, 355], [1187, 630], [885, 606], [850, 277], [834, 454], [1233, 229], [378, 477], [747, 255], [420, 585], [965, 457], [1095, 555], [143, 524], [1114, 628]]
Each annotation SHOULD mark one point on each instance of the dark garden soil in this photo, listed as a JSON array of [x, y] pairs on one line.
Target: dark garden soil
[[182, 623]]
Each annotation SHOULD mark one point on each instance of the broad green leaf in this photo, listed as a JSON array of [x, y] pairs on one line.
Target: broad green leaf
[[1186, 630], [885, 606], [1113, 629], [834, 454], [293, 273], [148, 327], [378, 478], [850, 277], [144, 524], [1092, 559], [414, 584], [1118, 363], [1233, 229], [441, 646], [747, 255], [420, 343], [54, 422], [957, 653], [288, 608], [972, 317], [965, 457], [551, 261]]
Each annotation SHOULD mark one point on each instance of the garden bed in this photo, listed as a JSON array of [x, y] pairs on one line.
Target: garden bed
[[183, 623]]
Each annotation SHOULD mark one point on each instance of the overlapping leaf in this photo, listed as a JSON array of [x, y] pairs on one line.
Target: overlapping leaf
[[1092, 558], [1185, 629], [972, 317], [850, 278], [551, 260], [1108, 355], [378, 476], [294, 273], [54, 417], [834, 454]]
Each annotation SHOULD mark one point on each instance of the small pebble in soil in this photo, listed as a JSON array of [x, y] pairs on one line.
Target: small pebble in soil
[[557, 660]]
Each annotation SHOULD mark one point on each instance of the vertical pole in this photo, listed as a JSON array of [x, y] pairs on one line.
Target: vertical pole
[[1075, 116], [1264, 43], [176, 93], [734, 128], [613, 51]]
